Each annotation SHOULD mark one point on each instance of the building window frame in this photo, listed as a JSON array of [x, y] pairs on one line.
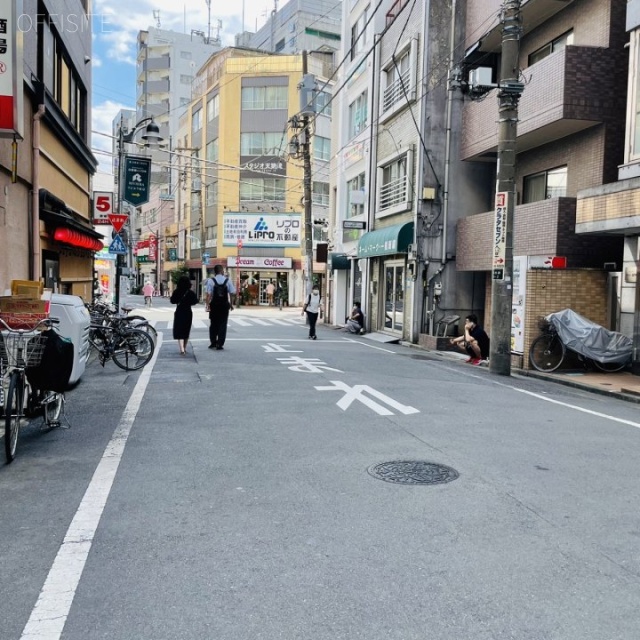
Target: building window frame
[[196, 120], [632, 146], [562, 41], [359, 33], [321, 148], [213, 107], [543, 185], [265, 98], [263, 189], [358, 115], [320, 192], [395, 184], [399, 76], [357, 184]]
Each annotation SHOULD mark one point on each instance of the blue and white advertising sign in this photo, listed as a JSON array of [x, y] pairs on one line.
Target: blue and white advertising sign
[[262, 230]]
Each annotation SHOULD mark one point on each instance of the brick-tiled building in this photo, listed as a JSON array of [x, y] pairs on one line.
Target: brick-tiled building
[[570, 137]]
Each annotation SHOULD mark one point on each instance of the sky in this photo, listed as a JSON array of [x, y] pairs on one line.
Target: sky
[[115, 26]]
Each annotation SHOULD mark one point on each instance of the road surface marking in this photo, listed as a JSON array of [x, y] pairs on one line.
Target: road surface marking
[[51, 610], [357, 393]]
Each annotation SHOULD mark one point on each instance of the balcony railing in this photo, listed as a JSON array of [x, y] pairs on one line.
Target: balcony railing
[[393, 193], [396, 90]]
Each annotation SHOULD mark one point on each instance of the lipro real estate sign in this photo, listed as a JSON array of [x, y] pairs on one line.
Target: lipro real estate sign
[[11, 116], [262, 230]]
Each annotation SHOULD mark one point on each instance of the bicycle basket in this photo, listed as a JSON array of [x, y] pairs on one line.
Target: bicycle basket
[[22, 349]]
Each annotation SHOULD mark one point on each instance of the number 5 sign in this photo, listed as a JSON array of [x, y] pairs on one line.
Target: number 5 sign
[[102, 207]]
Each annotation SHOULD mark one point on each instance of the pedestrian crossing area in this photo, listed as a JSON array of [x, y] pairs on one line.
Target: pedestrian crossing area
[[238, 321]]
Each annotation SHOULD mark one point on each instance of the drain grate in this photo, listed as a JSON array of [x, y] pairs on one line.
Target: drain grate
[[413, 472]]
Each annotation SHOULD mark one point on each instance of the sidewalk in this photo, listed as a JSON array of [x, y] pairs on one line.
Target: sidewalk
[[622, 385]]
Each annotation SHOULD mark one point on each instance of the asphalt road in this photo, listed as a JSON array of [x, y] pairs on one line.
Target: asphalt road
[[229, 496]]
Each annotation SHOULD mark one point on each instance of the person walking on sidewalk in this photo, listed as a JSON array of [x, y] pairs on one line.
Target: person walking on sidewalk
[[183, 315], [218, 303], [474, 341], [147, 291], [313, 308]]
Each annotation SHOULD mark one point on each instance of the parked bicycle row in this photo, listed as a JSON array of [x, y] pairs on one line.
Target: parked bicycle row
[[38, 363]]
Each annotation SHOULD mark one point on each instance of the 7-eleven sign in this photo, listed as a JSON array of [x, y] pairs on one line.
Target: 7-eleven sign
[[118, 220]]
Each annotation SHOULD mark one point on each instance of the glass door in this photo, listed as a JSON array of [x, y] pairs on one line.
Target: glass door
[[393, 296]]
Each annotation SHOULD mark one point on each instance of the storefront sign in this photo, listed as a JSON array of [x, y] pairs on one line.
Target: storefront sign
[[137, 174], [153, 248], [500, 235], [102, 207], [11, 92], [264, 164], [353, 153], [259, 263], [266, 230], [354, 224]]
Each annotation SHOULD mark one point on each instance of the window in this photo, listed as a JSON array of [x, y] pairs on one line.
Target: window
[[555, 45], [633, 100], [257, 189], [327, 35], [212, 151], [279, 46], [321, 148], [323, 103], [185, 55], [270, 143], [546, 184], [196, 121], [394, 177], [212, 194], [185, 79], [355, 196], [359, 34], [184, 102], [59, 75], [320, 193], [257, 98], [399, 79], [358, 115], [213, 108]]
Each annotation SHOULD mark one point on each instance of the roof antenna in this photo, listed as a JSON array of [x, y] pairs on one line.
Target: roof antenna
[[156, 16]]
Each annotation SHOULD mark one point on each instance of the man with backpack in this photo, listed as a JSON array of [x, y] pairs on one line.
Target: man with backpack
[[219, 290]]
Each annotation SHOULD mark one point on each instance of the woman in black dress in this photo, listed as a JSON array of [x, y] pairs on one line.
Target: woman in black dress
[[183, 316]]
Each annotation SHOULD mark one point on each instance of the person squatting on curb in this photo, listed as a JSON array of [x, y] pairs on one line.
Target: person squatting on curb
[[474, 341]]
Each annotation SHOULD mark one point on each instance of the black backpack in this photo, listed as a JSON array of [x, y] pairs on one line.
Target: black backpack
[[219, 296]]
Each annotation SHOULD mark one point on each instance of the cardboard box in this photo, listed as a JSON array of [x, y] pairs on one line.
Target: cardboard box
[[22, 313], [27, 288]]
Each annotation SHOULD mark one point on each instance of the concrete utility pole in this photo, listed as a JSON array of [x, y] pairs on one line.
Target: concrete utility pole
[[307, 103], [509, 91]]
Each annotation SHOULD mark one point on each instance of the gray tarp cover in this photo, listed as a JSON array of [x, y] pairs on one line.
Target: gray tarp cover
[[590, 339]]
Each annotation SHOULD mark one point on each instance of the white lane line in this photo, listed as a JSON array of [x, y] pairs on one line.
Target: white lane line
[[264, 323], [577, 408], [283, 323], [169, 324], [199, 324], [51, 610], [240, 321], [366, 344]]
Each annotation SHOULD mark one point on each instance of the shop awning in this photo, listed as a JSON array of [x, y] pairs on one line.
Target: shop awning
[[386, 241], [339, 261]]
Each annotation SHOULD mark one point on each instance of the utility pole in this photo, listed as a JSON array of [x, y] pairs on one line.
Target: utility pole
[[509, 90], [307, 108]]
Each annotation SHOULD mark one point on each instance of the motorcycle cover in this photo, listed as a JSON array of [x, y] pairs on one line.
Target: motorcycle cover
[[590, 339]]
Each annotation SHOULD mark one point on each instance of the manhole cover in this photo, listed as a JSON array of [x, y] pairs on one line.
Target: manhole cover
[[413, 472]]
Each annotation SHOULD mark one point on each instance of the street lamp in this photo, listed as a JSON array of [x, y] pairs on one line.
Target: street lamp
[[152, 138]]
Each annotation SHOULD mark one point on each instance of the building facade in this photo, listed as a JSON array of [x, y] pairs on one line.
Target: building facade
[[570, 137], [241, 194], [46, 168]]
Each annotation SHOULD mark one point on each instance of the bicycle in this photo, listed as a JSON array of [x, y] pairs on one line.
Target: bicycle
[[21, 349], [548, 351], [130, 349], [102, 313]]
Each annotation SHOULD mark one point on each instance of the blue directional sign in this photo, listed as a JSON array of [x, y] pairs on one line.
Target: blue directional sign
[[118, 245]]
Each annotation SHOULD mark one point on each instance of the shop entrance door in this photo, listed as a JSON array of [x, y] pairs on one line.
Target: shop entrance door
[[263, 291], [393, 296]]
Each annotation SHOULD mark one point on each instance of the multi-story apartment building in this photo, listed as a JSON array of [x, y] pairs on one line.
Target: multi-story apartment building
[[301, 25], [46, 163], [614, 208], [396, 166], [242, 203], [570, 137]]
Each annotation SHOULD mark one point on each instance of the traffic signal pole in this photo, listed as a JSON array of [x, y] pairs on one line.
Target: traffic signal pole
[[509, 91]]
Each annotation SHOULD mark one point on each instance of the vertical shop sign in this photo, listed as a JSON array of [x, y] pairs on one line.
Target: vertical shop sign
[[11, 92]]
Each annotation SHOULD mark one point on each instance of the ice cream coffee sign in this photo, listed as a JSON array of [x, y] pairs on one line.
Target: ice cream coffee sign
[[10, 70]]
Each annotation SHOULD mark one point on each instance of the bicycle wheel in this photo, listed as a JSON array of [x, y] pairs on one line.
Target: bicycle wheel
[[97, 340], [134, 348], [546, 353], [610, 367], [138, 322], [13, 414]]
